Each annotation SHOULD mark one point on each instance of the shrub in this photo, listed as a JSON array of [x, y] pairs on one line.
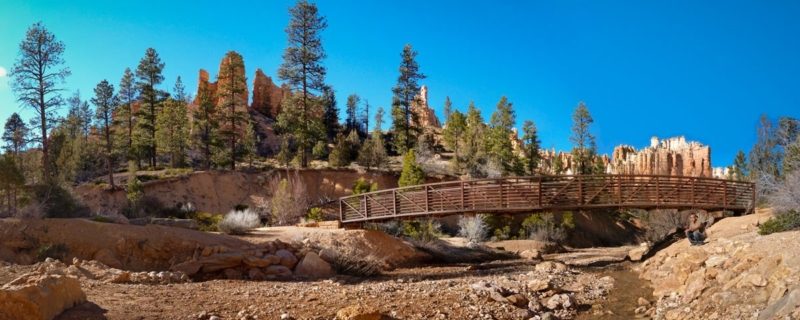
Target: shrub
[[207, 221], [315, 214], [474, 229], [363, 186], [422, 230], [392, 228], [239, 222], [320, 150], [412, 173], [102, 219], [545, 227], [289, 200], [785, 221], [351, 262], [56, 251], [57, 202]]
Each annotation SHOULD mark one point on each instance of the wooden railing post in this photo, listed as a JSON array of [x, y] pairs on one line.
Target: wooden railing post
[[427, 204], [463, 205], [366, 212], [540, 191], [341, 210], [500, 184], [725, 193], [580, 190], [394, 202]]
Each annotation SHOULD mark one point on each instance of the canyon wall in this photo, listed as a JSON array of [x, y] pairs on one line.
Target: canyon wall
[[673, 156]]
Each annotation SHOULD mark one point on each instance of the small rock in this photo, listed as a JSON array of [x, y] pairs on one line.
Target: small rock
[[538, 284], [531, 254], [358, 312], [642, 302]]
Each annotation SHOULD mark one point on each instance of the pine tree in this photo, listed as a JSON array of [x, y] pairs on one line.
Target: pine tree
[[448, 108], [454, 137], [284, 156], [352, 121], [79, 117], [558, 165], [11, 180], [125, 117], [179, 91], [249, 142], [584, 148], [330, 116], [37, 74], [232, 115], [340, 156], [365, 119], [172, 131], [473, 139], [739, 169], [148, 76], [15, 135], [302, 70], [791, 158], [530, 138], [105, 102], [501, 132], [406, 91], [764, 158], [205, 126], [412, 173]]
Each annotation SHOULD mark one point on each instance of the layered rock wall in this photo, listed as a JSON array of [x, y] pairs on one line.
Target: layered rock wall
[[673, 156]]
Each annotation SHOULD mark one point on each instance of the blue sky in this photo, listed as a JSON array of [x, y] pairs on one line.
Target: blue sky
[[703, 69]]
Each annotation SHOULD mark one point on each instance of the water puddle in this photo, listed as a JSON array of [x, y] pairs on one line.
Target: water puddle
[[623, 299]]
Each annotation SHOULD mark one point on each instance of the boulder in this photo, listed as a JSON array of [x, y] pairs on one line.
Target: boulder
[[551, 267], [531, 254], [256, 274], [39, 297], [221, 261], [560, 301], [312, 266], [287, 258], [637, 253], [278, 270], [538, 284], [358, 312], [518, 300], [190, 268], [260, 262]]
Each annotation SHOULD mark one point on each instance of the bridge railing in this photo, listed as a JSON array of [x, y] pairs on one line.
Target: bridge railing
[[536, 193]]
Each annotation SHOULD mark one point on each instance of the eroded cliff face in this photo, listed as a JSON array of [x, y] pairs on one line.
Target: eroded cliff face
[[267, 96], [426, 117], [673, 156]]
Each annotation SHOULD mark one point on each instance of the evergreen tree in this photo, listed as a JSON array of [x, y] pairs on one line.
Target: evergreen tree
[[412, 173], [232, 90], [303, 71], [448, 108], [284, 156], [304, 132], [15, 135], [501, 132], [340, 156], [791, 159], [365, 119], [105, 102], [11, 180], [79, 117], [37, 75], [249, 142], [473, 140], [584, 148], [558, 165], [352, 121], [330, 116], [739, 169], [406, 91], [205, 125], [180, 91], [373, 152], [125, 117], [172, 131], [148, 76], [765, 157], [530, 138], [454, 133]]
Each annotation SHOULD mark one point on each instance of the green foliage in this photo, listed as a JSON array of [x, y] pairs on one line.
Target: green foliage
[[232, 116], [102, 219], [320, 150], [57, 202], [11, 180], [353, 121], [285, 154], [454, 137], [148, 76], [363, 186], [501, 132], [124, 116], [105, 102], [330, 117], [739, 170], [301, 124], [473, 141], [315, 214], [205, 135], [172, 131], [134, 192], [406, 91], [56, 251], [781, 222], [412, 173], [15, 134], [422, 230], [341, 155], [530, 139], [547, 227], [584, 148], [207, 221]]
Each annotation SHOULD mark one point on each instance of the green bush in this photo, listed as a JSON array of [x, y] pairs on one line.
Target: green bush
[[58, 202], [422, 230], [207, 221], [782, 222], [363, 186], [102, 219], [56, 251], [315, 214]]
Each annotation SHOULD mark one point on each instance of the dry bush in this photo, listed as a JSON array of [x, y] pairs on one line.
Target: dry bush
[[351, 262], [474, 229], [661, 223], [239, 222], [289, 201], [784, 196]]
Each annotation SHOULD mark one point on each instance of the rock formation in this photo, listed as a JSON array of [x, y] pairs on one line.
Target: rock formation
[[674, 156], [426, 117], [267, 96]]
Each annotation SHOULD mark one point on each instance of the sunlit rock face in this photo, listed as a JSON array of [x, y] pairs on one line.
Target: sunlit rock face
[[673, 156], [267, 96], [426, 117]]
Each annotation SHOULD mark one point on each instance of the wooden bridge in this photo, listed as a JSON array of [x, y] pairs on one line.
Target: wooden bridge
[[549, 193]]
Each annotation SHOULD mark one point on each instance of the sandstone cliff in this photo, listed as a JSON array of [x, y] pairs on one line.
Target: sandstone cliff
[[267, 96], [426, 117], [673, 156]]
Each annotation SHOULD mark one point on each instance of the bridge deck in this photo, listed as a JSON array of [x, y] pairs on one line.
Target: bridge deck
[[546, 193]]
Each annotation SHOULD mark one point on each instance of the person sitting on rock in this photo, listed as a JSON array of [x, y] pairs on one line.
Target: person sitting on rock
[[695, 231]]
